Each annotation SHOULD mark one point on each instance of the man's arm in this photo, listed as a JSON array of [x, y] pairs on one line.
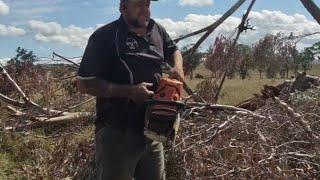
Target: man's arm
[[101, 88], [177, 70]]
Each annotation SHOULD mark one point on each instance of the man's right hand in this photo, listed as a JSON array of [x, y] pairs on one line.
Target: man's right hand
[[140, 93]]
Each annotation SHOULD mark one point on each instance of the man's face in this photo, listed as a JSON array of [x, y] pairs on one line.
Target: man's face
[[137, 12]]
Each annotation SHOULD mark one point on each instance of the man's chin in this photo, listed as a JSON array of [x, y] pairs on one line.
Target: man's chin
[[146, 23], [141, 24]]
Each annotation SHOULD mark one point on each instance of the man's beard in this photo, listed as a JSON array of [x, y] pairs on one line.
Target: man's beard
[[140, 24], [136, 24]]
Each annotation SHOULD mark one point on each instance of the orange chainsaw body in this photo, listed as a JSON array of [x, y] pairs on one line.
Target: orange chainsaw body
[[169, 90], [162, 116]]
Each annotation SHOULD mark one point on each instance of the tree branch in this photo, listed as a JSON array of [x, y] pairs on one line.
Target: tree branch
[[241, 28], [312, 8], [68, 60], [17, 87], [213, 26]]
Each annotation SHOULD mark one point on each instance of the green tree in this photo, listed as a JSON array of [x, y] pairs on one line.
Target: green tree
[[243, 59], [315, 48], [265, 57], [306, 58], [23, 56]]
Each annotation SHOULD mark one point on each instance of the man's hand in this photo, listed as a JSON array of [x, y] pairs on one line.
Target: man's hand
[[140, 93], [177, 73]]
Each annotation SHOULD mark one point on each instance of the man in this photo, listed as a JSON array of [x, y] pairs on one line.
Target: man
[[121, 66]]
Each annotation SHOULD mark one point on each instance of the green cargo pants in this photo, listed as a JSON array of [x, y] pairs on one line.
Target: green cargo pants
[[124, 156]]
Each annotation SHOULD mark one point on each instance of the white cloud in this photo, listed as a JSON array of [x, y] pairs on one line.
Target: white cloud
[[197, 3], [193, 22], [3, 61], [4, 8], [47, 29], [54, 32], [265, 22], [273, 22], [11, 31]]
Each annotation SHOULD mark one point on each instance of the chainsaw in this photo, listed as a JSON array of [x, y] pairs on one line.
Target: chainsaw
[[162, 117]]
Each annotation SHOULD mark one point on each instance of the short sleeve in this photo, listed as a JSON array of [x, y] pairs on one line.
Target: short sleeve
[[91, 66], [169, 46]]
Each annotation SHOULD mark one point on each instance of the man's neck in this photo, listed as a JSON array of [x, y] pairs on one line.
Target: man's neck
[[140, 31]]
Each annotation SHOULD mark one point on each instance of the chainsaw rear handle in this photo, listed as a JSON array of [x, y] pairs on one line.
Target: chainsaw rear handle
[[178, 104]]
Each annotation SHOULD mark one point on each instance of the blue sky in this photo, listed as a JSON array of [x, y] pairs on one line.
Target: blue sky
[[64, 26]]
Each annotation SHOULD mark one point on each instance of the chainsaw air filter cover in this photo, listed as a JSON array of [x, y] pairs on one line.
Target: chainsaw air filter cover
[[162, 116]]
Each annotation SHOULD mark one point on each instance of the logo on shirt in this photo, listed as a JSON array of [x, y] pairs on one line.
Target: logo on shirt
[[132, 43]]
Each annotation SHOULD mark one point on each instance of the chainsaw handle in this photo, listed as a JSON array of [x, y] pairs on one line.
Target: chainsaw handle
[[179, 104]]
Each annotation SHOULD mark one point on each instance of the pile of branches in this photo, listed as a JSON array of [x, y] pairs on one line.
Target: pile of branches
[[19, 99], [280, 140]]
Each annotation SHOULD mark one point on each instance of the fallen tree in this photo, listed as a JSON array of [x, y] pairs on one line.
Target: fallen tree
[[36, 115], [301, 83]]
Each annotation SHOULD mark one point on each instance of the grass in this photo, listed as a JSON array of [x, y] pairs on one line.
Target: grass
[[237, 90], [6, 165]]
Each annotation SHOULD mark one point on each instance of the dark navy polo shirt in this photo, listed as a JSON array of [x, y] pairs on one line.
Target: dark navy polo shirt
[[118, 55]]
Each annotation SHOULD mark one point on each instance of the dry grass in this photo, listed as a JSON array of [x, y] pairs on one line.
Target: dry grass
[[36, 155], [236, 90]]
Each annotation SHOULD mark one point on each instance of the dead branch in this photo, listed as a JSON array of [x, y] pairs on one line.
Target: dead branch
[[211, 29], [213, 26], [17, 87], [241, 145], [302, 82], [312, 8], [8, 100], [299, 118], [49, 116], [68, 60], [303, 36], [241, 28]]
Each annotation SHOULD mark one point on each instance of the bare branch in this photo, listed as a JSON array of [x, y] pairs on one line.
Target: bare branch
[[312, 8], [213, 26], [13, 102], [241, 28], [17, 87], [68, 60]]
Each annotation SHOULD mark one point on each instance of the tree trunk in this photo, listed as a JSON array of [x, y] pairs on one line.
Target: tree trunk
[[296, 69], [260, 73], [312, 8]]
